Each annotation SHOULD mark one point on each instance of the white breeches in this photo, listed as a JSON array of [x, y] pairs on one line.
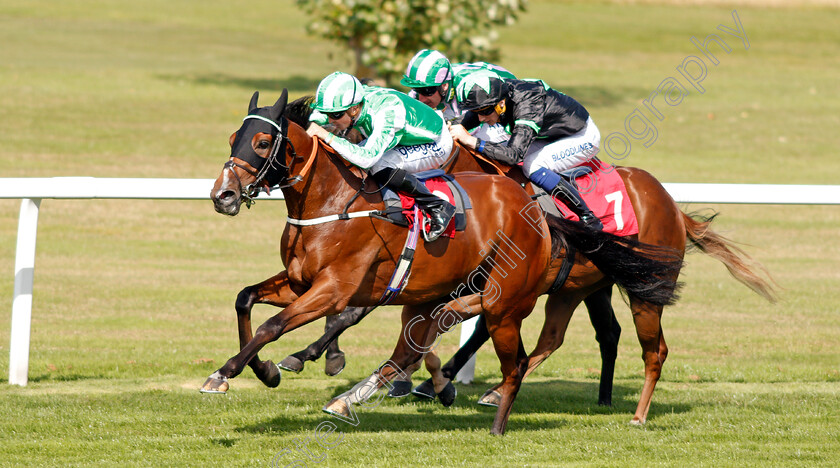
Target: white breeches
[[417, 158], [566, 153]]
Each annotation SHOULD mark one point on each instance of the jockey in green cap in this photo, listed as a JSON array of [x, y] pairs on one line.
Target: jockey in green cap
[[550, 132], [402, 137], [433, 79]]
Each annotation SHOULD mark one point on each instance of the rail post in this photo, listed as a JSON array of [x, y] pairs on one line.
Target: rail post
[[467, 373], [22, 299]]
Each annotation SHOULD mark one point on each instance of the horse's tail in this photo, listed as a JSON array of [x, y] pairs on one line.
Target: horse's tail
[[643, 271], [740, 265]]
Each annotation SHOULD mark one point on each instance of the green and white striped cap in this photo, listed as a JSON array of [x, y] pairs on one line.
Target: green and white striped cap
[[427, 68], [337, 92]]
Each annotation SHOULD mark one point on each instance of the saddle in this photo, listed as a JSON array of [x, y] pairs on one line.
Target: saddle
[[399, 208], [603, 190]]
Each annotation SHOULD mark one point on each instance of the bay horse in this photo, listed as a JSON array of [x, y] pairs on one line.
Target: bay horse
[[661, 222], [331, 266]]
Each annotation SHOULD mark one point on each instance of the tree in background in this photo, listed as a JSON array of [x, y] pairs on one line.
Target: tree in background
[[384, 34]]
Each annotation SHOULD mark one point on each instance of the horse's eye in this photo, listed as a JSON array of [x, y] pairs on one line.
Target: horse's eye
[[263, 144]]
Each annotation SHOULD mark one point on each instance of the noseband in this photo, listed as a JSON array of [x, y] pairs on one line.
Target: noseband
[[266, 168]]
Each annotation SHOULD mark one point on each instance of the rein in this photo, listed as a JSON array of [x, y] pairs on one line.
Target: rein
[[316, 143], [490, 162]]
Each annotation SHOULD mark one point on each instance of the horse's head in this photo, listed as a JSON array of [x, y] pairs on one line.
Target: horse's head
[[257, 157]]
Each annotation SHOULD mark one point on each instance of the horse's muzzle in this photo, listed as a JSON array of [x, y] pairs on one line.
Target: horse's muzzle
[[227, 202]]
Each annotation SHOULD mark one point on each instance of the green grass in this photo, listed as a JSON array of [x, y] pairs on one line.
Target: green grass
[[133, 303]]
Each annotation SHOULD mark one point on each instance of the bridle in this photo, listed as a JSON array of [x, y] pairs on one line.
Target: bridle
[[270, 172]]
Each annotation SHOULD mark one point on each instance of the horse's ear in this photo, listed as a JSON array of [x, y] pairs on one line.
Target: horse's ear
[[253, 105], [279, 106]]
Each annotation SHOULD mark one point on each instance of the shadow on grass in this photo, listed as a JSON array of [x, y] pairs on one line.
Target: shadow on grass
[[557, 397], [295, 83], [62, 377], [224, 442]]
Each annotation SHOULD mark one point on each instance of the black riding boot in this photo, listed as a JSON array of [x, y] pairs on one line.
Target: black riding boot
[[439, 210], [568, 194]]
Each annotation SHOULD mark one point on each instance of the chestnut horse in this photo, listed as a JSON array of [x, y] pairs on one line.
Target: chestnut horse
[[598, 303], [661, 223], [331, 266]]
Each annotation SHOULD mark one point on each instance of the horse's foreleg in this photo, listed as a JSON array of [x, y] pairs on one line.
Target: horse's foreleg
[[275, 291], [335, 361], [607, 333], [464, 353], [647, 317], [318, 301], [335, 326], [401, 385]]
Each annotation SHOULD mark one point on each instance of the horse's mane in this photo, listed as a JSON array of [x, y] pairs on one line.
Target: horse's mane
[[299, 110]]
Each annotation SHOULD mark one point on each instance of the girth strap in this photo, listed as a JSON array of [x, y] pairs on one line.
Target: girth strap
[[330, 218], [400, 276], [565, 270]]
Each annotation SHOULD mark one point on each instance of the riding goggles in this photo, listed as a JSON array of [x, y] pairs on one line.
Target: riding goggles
[[427, 91], [336, 115], [485, 110]]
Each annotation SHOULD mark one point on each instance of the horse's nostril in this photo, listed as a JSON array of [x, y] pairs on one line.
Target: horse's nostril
[[226, 195]]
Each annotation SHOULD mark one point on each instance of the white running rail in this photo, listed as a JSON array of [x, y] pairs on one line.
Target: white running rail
[[32, 190]]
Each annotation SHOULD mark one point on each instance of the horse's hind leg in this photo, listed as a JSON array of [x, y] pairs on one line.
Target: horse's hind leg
[[451, 368], [441, 385], [514, 362], [274, 291], [647, 317], [413, 342], [559, 308], [607, 333]]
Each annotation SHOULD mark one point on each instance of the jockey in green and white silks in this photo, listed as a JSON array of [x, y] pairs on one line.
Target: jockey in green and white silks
[[402, 137], [433, 79], [550, 132]]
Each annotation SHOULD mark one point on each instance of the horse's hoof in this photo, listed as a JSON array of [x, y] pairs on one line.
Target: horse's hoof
[[337, 407], [216, 384], [448, 394], [637, 422], [399, 389], [425, 390], [334, 365], [605, 402], [491, 398], [291, 364], [272, 379]]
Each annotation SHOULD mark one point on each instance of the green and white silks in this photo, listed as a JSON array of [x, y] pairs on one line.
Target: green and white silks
[[400, 132]]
